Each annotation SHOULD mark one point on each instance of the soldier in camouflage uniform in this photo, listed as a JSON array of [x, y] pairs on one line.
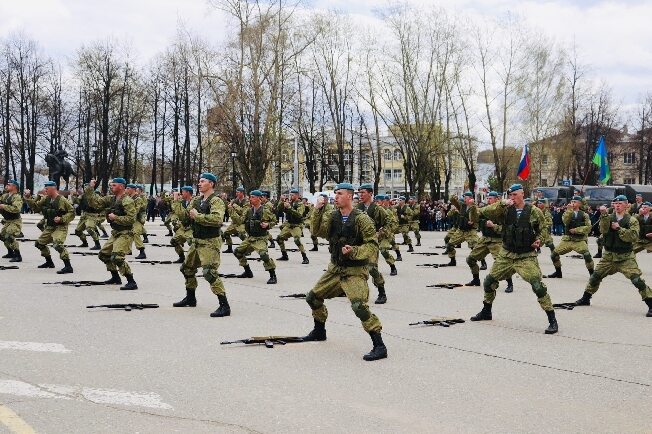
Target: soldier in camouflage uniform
[[578, 226], [237, 207], [644, 218], [269, 205], [142, 217], [546, 236], [10, 205], [293, 225], [121, 214], [467, 227], [491, 226], [168, 222], [140, 202], [379, 216], [183, 229], [207, 215], [87, 222], [58, 213], [386, 235], [416, 219], [521, 237], [635, 208], [392, 215], [621, 231], [404, 213], [257, 220], [353, 244]]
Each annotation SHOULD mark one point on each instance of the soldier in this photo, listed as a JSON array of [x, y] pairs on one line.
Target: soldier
[[379, 216], [352, 243], [309, 209], [404, 213], [636, 206], [467, 227], [416, 219], [87, 222], [293, 225], [578, 225], [491, 223], [270, 206], [257, 221], [58, 213], [10, 205], [521, 237], [386, 235], [236, 208], [183, 232], [644, 241], [620, 231], [392, 215], [121, 215], [141, 208], [207, 215], [546, 236], [142, 215]]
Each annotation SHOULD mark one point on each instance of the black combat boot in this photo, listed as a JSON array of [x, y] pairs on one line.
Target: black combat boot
[[145, 238], [483, 264], [272, 244], [17, 257], [392, 269], [410, 248], [229, 249], [379, 351], [247, 274], [284, 256], [67, 268], [114, 280], [272, 277], [142, 254], [305, 258], [96, 246], [585, 300], [182, 257], [484, 314], [556, 275], [398, 255], [315, 248], [104, 234], [83, 244], [169, 234], [510, 285], [10, 254], [475, 281], [318, 333], [382, 296], [599, 254], [648, 301], [224, 309], [552, 326], [131, 283], [188, 301], [419, 243], [452, 262], [48, 263]]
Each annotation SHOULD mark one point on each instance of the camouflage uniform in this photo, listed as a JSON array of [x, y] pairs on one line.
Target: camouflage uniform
[[140, 202], [405, 218], [643, 242], [573, 242], [88, 221], [292, 228], [378, 216], [546, 235], [238, 208], [55, 233], [182, 233], [257, 236], [416, 222], [467, 228], [12, 223]]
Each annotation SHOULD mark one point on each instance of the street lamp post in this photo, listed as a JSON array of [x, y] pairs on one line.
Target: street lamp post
[[233, 154], [296, 162]]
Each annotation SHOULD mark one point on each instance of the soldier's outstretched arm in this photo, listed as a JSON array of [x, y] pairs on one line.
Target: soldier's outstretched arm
[[95, 200], [35, 203], [566, 217]]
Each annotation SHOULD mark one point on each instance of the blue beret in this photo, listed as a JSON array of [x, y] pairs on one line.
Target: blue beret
[[188, 188], [468, 194], [14, 182], [50, 184], [132, 186], [543, 200], [493, 194], [413, 197], [528, 199], [294, 191], [380, 197], [620, 198], [208, 176], [323, 195], [240, 189], [578, 198], [401, 198], [515, 187], [266, 194], [368, 187], [639, 195], [119, 181], [256, 193], [344, 186], [647, 204]]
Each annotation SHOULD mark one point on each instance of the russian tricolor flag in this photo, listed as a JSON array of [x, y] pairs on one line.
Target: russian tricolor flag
[[524, 166]]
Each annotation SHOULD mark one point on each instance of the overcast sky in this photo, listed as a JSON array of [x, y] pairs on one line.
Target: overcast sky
[[613, 37]]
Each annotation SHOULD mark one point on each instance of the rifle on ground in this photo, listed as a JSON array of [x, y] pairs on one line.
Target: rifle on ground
[[8, 267], [443, 322], [268, 341], [293, 296], [565, 306], [445, 285], [127, 306], [77, 283]]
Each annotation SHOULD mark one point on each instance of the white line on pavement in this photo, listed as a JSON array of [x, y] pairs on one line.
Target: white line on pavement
[[33, 346], [99, 396]]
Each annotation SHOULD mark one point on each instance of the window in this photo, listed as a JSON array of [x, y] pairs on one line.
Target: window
[[398, 174], [544, 160], [397, 155], [629, 157], [388, 175], [387, 154], [629, 181]]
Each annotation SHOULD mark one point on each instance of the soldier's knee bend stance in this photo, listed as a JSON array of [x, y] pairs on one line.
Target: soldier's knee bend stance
[[471, 261], [297, 241], [263, 257], [118, 260], [595, 279], [639, 283], [58, 246], [39, 245], [104, 257], [313, 301], [587, 257], [539, 289], [490, 283], [360, 310], [210, 274]]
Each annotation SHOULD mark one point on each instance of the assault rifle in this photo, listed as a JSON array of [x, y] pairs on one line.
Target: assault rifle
[[127, 306], [268, 341], [293, 296], [443, 322]]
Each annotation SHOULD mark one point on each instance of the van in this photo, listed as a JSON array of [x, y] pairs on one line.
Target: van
[[557, 196], [602, 194]]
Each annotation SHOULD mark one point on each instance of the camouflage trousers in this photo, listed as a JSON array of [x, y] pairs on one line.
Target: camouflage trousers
[[566, 246], [254, 244], [205, 254], [414, 227], [484, 246], [114, 250], [138, 231], [290, 231], [181, 236], [376, 276], [384, 246], [88, 223], [626, 265], [232, 230], [353, 282], [641, 245], [469, 237], [405, 231], [9, 232], [57, 236], [526, 266]]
